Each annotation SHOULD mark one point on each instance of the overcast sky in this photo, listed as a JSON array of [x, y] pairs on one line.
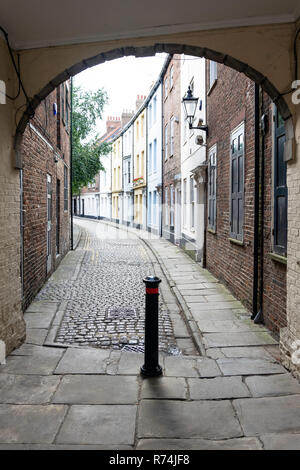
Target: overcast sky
[[123, 79]]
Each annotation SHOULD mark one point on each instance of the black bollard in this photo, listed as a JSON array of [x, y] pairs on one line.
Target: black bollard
[[151, 368]]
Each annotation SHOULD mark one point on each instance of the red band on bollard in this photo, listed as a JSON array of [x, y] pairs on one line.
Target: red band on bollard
[[149, 290]]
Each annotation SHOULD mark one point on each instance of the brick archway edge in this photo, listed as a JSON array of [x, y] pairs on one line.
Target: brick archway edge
[[146, 51]]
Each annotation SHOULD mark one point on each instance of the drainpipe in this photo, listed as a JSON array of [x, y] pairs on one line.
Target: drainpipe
[[146, 161], [22, 214], [259, 318], [256, 202], [162, 157], [71, 167]]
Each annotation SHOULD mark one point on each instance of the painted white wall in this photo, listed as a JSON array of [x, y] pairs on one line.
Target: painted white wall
[[105, 187], [192, 155], [127, 185], [154, 158]]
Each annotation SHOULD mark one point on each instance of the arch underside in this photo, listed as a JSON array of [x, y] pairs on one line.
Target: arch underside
[[146, 51]]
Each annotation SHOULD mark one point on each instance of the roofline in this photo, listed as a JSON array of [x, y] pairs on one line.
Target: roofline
[[151, 93]]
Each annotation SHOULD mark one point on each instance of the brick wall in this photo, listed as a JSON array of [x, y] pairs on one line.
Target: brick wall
[[42, 156], [171, 108], [12, 325], [229, 102]]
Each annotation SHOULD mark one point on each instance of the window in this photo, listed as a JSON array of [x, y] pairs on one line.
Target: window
[[119, 177], [150, 159], [142, 126], [67, 108], [280, 189], [154, 156], [212, 73], [154, 109], [154, 207], [184, 201], [166, 206], [172, 136], [150, 114], [212, 185], [192, 201], [150, 208], [172, 205], [63, 102], [171, 77], [66, 198], [166, 142], [137, 166], [142, 163], [128, 171], [237, 184]]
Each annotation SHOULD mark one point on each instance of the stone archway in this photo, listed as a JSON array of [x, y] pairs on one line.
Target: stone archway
[[145, 51], [268, 50]]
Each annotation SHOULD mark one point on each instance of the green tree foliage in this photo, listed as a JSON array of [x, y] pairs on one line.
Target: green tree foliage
[[86, 151]]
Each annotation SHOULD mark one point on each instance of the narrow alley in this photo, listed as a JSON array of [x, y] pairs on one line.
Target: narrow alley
[[76, 383]]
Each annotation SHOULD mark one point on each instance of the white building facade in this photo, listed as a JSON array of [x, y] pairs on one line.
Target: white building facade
[[105, 188], [154, 160], [127, 155], [193, 157]]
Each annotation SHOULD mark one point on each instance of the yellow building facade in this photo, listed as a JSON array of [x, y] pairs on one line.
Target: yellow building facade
[[139, 173], [116, 178]]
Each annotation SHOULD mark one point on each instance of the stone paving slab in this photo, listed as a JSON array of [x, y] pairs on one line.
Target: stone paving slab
[[218, 388], [83, 361], [230, 326], [256, 352], [246, 366], [257, 338], [36, 335], [207, 367], [244, 443], [186, 345], [99, 424], [97, 390], [38, 319], [27, 389], [164, 388], [182, 419], [130, 363], [43, 306], [179, 366], [194, 299], [215, 315], [37, 351], [269, 415], [63, 447], [42, 363], [274, 385], [30, 423], [281, 441], [180, 329], [227, 305]]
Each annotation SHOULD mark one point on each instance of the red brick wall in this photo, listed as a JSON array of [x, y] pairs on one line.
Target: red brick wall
[[229, 103], [171, 108], [39, 152]]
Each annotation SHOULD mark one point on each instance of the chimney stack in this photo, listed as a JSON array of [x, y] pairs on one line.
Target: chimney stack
[[139, 101], [112, 123], [126, 116]]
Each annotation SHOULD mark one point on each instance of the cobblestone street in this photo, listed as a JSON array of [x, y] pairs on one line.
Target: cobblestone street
[[105, 301], [225, 390]]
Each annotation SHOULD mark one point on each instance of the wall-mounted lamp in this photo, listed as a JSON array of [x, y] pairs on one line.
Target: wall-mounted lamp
[[190, 105]]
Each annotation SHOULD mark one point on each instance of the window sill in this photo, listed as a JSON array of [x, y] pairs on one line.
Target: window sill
[[236, 242], [211, 230], [279, 258], [212, 87]]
